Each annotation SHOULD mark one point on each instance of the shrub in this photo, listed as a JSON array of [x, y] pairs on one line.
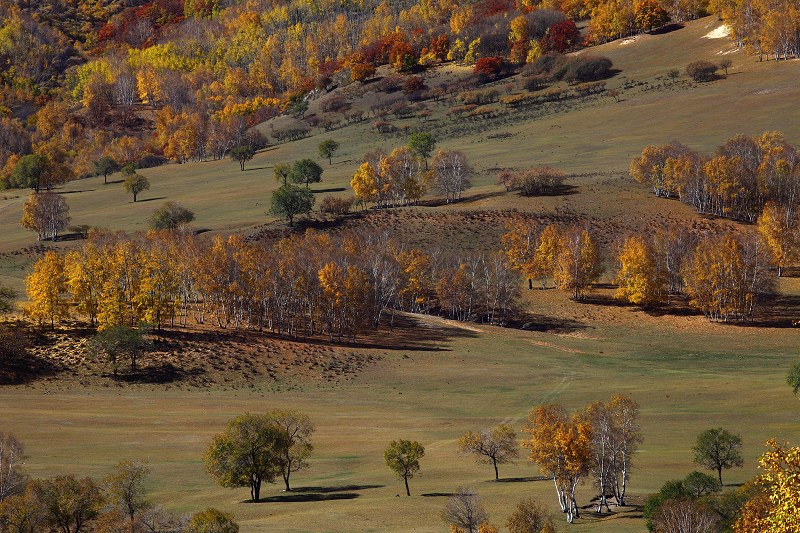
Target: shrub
[[539, 180], [586, 68], [413, 84], [701, 70], [546, 64], [335, 104], [489, 66], [535, 83], [151, 160], [361, 71], [171, 215], [334, 206]]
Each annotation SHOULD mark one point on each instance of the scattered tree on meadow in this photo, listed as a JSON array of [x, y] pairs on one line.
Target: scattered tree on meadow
[[422, 143], [402, 457], [7, 297], [530, 517], [170, 216], [327, 148], [495, 446], [464, 511], [305, 171], [134, 184], [126, 490], [46, 213], [701, 70], [12, 454], [289, 201], [242, 154], [537, 181], [561, 446], [793, 377], [68, 503], [281, 172], [105, 166], [718, 449], [295, 443], [212, 520], [247, 454]]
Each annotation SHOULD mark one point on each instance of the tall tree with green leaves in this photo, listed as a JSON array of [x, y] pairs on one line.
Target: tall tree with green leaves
[[134, 184], [246, 454], [105, 166], [296, 444], [242, 154], [290, 201], [718, 449], [327, 149], [402, 457], [423, 143], [305, 171]]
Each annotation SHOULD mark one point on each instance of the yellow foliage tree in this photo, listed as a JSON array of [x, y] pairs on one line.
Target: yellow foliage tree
[[364, 184], [779, 234], [640, 280], [46, 288], [578, 263]]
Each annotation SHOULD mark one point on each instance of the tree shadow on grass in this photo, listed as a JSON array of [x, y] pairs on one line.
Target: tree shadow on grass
[[548, 324], [157, 374], [333, 189], [439, 202], [291, 497], [151, 199], [438, 494], [335, 488], [527, 479]]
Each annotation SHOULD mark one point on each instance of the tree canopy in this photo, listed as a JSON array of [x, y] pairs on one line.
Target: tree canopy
[[402, 457], [718, 449], [289, 201]]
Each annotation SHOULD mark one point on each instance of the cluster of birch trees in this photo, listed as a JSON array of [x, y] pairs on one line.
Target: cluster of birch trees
[[736, 182], [304, 285]]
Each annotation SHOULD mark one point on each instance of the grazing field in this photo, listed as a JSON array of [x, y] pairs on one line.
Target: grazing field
[[431, 380], [687, 374]]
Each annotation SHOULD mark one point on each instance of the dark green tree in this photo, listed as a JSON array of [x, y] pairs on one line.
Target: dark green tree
[[242, 154], [290, 201], [135, 183], [116, 342], [793, 378], [327, 149], [105, 166], [305, 171], [718, 449], [29, 172], [402, 457], [423, 143], [171, 215], [246, 454]]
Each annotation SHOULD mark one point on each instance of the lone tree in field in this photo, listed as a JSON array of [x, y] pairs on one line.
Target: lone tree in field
[[242, 154], [305, 171], [134, 184], [281, 173], [402, 457], [126, 488], [290, 201], [246, 454], [464, 511], [423, 143], [116, 342], [45, 213], [105, 166], [498, 446], [327, 149], [718, 449], [170, 216], [12, 480], [296, 429]]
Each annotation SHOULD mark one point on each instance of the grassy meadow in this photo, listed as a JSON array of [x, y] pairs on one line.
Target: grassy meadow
[[687, 374]]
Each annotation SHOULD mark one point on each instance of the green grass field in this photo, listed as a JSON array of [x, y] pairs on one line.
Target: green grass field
[[688, 375]]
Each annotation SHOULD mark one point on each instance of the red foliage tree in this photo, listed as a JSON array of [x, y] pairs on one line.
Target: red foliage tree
[[489, 66], [561, 37]]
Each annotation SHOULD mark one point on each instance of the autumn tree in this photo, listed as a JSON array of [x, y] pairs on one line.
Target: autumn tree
[[289, 201], [422, 143], [780, 233], [69, 503], [212, 520], [305, 171], [126, 489], [718, 449], [495, 446], [530, 517], [12, 455], [402, 457], [578, 263], [281, 173], [29, 172], [641, 280], [242, 154], [451, 174], [135, 184], [46, 288], [46, 213], [246, 454], [105, 166], [464, 511], [7, 297], [327, 148], [295, 443], [561, 446]]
